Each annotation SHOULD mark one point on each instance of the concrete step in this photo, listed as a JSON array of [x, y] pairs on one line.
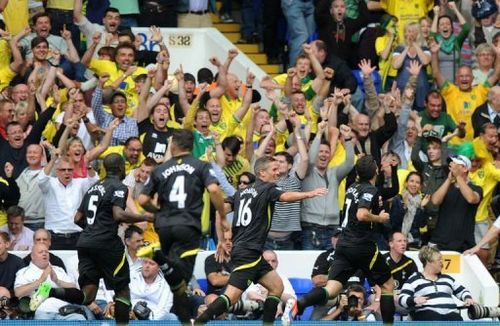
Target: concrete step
[[248, 48], [258, 58], [227, 27], [271, 69]]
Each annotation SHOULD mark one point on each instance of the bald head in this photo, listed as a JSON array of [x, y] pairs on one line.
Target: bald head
[[494, 98]]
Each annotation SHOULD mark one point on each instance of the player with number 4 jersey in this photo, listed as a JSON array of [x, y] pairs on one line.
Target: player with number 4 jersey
[[180, 183], [253, 209]]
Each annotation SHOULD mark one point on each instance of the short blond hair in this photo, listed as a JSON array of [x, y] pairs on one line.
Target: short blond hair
[[426, 254]]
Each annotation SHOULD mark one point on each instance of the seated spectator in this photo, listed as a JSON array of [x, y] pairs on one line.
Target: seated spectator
[[134, 239], [43, 236], [319, 275], [150, 287], [31, 198], [402, 267], [429, 294], [21, 238], [257, 292], [62, 196], [40, 273], [9, 265], [352, 306], [458, 199], [217, 273]]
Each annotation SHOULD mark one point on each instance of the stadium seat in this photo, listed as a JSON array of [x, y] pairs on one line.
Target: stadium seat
[[301, 287], [203, 284]]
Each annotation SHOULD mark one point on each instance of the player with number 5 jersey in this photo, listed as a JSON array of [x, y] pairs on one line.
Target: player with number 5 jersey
[[180, 183], [253, 209]]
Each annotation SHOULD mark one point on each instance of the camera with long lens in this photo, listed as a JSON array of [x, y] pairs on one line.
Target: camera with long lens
[[141, 310], [478, 312]]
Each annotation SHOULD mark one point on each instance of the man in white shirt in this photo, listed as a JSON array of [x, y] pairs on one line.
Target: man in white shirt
[[21, 238], [150, 287], [134, 239], [39, 273], [62, 196]]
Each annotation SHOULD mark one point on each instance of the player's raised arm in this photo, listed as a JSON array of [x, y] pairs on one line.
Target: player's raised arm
[[296, 196]]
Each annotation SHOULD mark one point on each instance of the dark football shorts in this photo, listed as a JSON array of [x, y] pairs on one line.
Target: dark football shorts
[[112, 266], [347, 260], [249, 266]]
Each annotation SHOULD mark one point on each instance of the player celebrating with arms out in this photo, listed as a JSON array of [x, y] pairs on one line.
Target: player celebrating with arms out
[[253, 209], [356, 248]]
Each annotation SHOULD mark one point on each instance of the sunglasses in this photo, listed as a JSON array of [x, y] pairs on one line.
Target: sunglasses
[[246, 183]]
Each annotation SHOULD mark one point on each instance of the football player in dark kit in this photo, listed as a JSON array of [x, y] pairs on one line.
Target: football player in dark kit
[[356, 248], [253, 209], [180, 183], [101, 253]]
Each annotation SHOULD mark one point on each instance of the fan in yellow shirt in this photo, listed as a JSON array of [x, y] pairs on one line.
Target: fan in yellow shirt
[[462, 99]]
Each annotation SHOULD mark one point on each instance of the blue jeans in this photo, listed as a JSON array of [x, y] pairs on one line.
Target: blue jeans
[[300, 19], [282, 243], [35, 226], [317, 237], [74, 70], [251, 18]]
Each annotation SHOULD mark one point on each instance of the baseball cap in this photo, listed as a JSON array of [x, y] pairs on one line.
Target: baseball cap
[[460, 159], [483, 8], [432, 135]]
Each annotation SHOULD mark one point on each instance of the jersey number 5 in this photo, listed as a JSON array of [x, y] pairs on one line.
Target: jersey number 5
[[92, 208], [244, 213], [178, 194]]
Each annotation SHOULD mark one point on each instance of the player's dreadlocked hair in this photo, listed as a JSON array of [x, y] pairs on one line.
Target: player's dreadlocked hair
[[366, 168]]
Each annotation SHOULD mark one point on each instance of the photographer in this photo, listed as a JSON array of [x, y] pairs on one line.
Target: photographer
[[150, 294], [352, 306]]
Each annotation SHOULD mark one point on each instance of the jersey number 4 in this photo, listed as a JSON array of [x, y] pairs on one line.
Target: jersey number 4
[[178, 194], [92, 208], [244, 213]]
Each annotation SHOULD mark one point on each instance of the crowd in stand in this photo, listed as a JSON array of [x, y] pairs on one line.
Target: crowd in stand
[[414, 85]]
